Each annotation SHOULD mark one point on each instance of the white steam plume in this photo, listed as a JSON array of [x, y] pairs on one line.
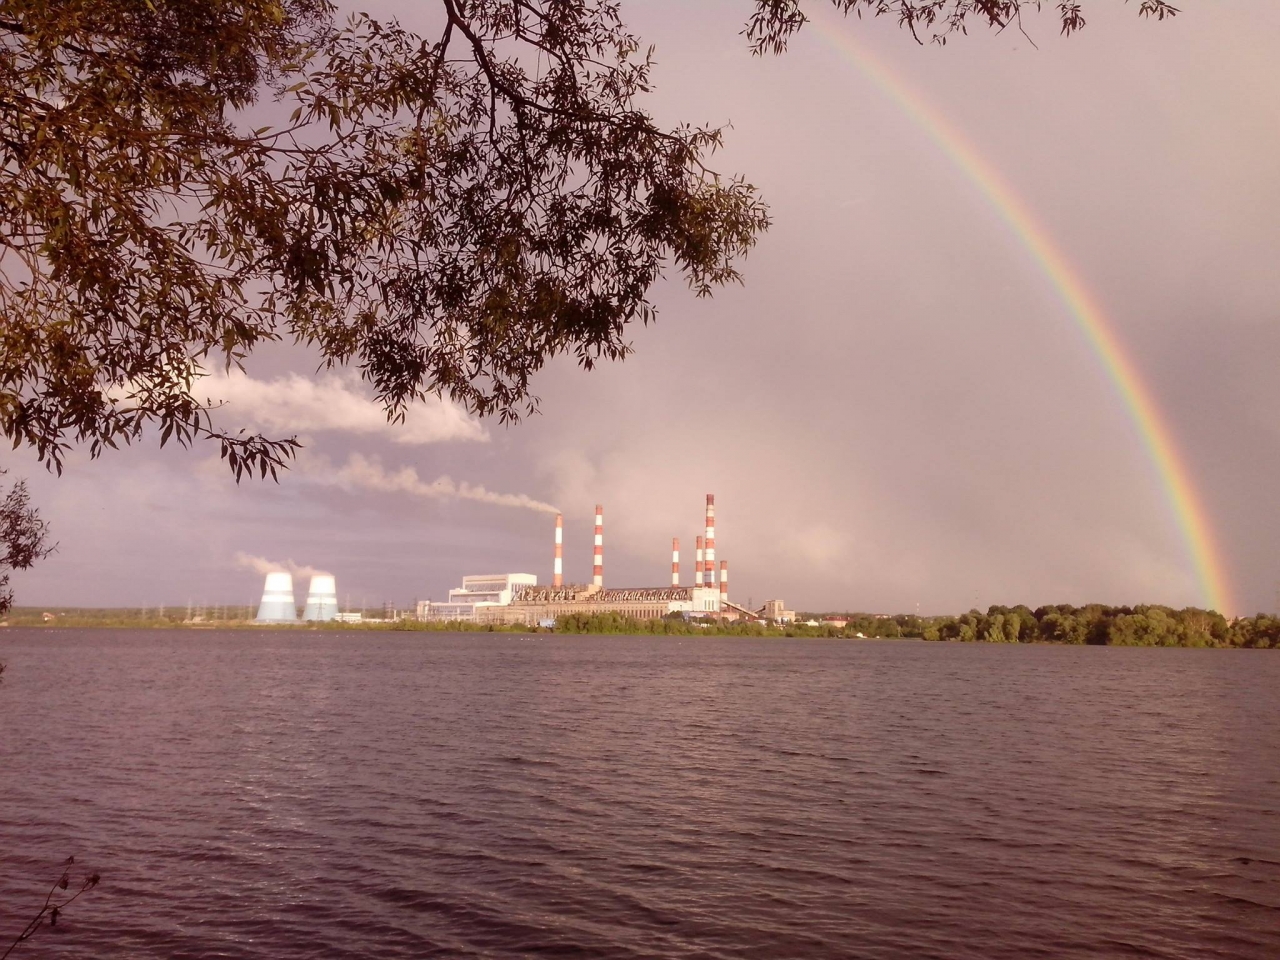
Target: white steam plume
[[265, 566], [334, 402], [364, 473]]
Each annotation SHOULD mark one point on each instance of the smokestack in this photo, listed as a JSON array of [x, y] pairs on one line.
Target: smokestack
[[322, 598], [709, 555], [675, 561], [697, 565], [724, 582], [277, 599], [597, 569], [557, 574]]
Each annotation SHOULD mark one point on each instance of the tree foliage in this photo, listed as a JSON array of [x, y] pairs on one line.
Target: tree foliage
[[446, 213], [774, 22], [181, 182], [1095, 623], [23, 537]]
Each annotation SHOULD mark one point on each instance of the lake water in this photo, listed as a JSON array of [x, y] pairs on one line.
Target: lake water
[[321, 795]]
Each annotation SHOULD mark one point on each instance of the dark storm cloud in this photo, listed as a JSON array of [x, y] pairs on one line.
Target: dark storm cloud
[[896, 409]]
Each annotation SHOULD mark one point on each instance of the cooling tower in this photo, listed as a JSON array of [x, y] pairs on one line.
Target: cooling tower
[[322, 598], [277, 600]]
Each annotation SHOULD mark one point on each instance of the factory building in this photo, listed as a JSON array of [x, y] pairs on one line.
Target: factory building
[[517, 598], [476, 594], [532, 605], [776, 610]]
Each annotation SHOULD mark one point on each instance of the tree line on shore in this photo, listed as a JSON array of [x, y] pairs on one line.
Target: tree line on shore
[[1094, 624], [1144, 625]]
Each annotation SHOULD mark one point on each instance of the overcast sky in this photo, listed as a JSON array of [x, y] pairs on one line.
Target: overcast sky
[[895, 411]]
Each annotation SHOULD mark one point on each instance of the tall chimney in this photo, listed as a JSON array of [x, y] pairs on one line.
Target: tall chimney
[[724, 582], [709, 555], [597, 569], [675, 561], [697, 564], [557, 574]]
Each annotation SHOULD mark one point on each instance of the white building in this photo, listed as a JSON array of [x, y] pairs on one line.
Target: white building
[[776, 610], [487, 590], [702, 601]]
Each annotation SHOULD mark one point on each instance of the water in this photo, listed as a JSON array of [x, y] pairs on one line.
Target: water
[[289, 795]]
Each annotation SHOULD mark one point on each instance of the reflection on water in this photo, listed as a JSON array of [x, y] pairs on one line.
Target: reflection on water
[[299, 795]]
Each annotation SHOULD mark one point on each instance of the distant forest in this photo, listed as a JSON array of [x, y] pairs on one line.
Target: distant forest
[[1096, 624]]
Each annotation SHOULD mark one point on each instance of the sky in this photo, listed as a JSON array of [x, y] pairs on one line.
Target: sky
[[896, 410]]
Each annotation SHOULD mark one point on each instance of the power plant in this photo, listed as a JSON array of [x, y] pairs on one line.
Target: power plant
[[516, 597], [277, 600]]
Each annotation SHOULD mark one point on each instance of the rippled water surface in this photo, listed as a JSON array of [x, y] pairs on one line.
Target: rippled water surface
[[289, 795]]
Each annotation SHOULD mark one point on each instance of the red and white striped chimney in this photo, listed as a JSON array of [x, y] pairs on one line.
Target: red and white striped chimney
[[675, 561], [597, 569], [557, 577], [724, 582], [709, 553], [697, 564]]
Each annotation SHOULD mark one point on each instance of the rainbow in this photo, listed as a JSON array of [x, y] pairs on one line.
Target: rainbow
[[1157, 437]]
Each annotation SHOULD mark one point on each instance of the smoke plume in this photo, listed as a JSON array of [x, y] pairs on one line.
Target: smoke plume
[[264, 566], [337, 402], [364, 473]]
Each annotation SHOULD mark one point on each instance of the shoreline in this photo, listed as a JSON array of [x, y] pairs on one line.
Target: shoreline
[[1062, 624]]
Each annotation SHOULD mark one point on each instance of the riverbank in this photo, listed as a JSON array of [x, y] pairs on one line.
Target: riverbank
[[1094, 625], [602, 625]]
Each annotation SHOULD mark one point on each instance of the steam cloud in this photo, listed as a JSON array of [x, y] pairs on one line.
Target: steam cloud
[[264, 566], [363, 473], [336, 402]]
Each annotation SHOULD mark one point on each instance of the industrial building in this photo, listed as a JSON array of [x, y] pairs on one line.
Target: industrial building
[[776, 610], [537, 605], [517, 598], [476, 594]]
